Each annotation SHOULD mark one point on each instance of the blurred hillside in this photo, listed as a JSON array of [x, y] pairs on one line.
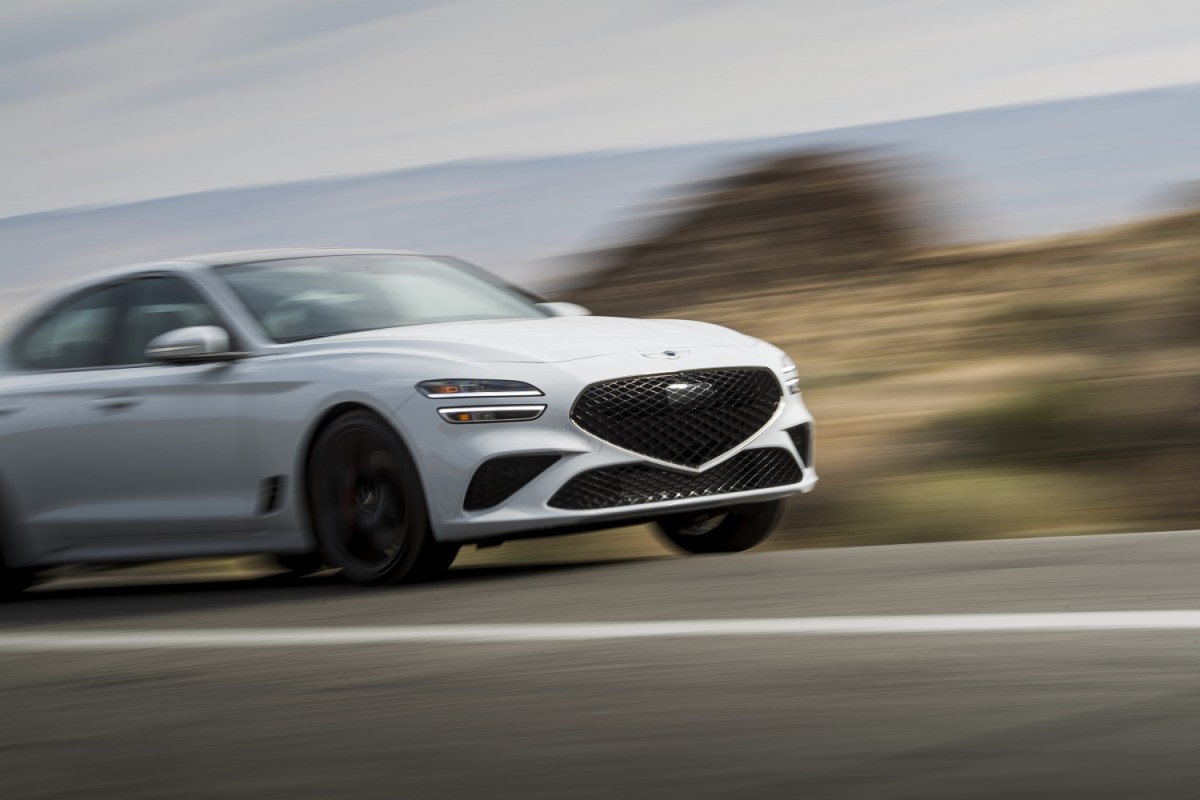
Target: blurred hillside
[[813, 215], [1015, 171], [1038, 387]]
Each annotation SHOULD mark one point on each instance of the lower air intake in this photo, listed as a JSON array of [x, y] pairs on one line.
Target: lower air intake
[[636, 484], [500, 478], [801, 436]]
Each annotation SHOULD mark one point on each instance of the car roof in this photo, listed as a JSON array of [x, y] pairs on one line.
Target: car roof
[[189, 263], [52, 295], [280, 253]]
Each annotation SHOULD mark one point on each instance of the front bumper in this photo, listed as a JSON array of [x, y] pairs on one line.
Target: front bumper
[[449, 455]]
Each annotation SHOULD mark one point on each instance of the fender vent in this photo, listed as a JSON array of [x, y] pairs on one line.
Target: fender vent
[[270, 494]]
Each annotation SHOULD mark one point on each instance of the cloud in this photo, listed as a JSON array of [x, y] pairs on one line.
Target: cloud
[[308, 19], [30, 32], [139, 98]]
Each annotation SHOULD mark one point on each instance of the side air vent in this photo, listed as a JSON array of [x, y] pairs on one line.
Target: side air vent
[[270, 494], [500, 478]]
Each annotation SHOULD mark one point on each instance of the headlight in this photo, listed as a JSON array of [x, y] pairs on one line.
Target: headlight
[[475, 387], [791, 381]]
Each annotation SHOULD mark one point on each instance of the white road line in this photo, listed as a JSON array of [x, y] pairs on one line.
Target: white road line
[[1058, 622]]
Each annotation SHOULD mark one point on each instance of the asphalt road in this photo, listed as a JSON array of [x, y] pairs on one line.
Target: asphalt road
[[550, 713]]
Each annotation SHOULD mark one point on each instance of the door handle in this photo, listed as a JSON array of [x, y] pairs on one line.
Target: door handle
[[119, 402], [8, 410]]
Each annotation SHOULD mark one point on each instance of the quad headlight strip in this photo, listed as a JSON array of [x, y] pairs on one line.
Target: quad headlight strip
[[472, 388], [791, 380]]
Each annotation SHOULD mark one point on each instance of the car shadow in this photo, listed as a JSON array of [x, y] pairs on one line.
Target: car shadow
[[108, 596]]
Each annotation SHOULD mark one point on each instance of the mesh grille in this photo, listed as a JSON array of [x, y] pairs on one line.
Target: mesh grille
[[686, 418], [498, 479], [635, 484], [801, 436]]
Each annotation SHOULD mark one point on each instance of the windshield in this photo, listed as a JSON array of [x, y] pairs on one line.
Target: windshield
[[306, 298]]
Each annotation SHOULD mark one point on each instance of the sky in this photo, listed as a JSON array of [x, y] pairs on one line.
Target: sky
[[116, 100]]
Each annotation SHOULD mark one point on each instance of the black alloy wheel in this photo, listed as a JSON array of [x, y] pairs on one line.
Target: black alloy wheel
[[367, 507]]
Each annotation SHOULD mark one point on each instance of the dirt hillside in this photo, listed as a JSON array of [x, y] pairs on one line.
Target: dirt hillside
[[1015, 389], [784, 221]]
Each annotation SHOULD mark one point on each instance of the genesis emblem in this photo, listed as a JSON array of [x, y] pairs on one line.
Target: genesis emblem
[[689, 395], [668, 354]]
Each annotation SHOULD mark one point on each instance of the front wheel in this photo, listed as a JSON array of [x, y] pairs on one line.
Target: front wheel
[[366, 503], [13, 580], [434, 561], [722, 530], [298, 565]]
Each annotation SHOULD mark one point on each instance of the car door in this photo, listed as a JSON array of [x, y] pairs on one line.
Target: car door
[[117, 451]]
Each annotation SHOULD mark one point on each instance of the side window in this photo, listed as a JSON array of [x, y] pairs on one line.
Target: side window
[[76, 335], [158, 305]]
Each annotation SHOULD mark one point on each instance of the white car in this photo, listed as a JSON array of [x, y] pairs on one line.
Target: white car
[[373, 411]]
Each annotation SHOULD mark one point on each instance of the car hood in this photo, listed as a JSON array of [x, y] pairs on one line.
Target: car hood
[[549, 340]]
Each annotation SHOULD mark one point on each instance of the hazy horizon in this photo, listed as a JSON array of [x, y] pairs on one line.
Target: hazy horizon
[[992, 174], [845, 133], [139, 100]]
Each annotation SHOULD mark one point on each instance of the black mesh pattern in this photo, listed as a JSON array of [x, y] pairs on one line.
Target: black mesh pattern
[[635, 484], [498, 479], [801, 436], [686, 418]]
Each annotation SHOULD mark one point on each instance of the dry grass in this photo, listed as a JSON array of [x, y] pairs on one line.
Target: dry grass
[[1027, 389], [1024, 389]]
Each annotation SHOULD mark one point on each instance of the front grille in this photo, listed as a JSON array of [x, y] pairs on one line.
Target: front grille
[[499, 479], [635, 484], [685, 418]]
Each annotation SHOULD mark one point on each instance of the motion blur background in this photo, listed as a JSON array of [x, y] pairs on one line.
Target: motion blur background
[[973, 224]]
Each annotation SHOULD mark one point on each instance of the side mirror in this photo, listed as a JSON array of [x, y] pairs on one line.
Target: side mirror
[[564, 309], [191, 345]]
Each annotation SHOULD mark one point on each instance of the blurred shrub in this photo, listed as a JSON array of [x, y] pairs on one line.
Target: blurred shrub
[[979, 503], [1079, 425], [1059, 425]]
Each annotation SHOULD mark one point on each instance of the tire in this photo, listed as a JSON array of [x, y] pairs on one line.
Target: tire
[[365, 502], [14, 581], [723, 530], [434, 561], [298, 565]]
